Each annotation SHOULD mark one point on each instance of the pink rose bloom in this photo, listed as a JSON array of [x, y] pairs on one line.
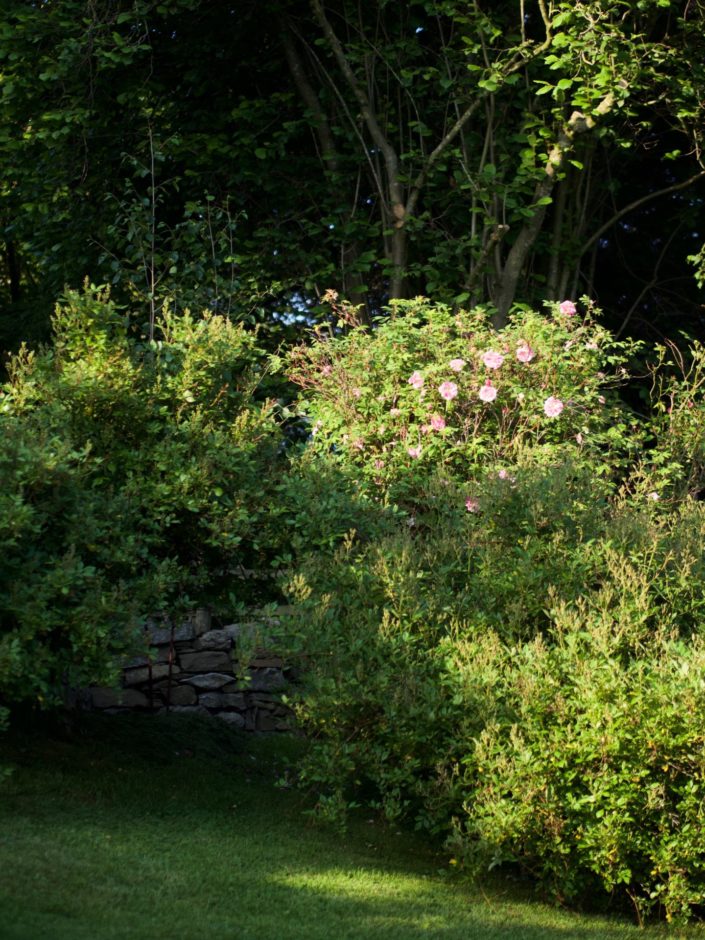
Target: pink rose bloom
[[525, 353], [416, 380], [492, 359], [567, 308], [437, 423], [326, 370], [552, 407], [414, 451], [503, 474], [448, 390], [488, 392], [426, 428], [379, 464], [471, 504], [456, 364]]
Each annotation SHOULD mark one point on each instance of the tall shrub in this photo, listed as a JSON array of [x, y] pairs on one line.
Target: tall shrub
[[135, 480], [497, 670]]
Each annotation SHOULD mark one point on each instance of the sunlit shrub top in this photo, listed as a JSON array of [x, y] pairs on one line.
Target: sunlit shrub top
[[431, 393]]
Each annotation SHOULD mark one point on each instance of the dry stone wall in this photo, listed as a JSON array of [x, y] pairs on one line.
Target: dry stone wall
[[229, 672]]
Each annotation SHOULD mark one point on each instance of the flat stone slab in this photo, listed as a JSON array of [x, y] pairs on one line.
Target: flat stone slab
[[155, 655], [141, 674], [266, 680], [201, 621], [206, 661], [160, 636], [114, 698], [233, 718], [213, 640], [211, 699], [266, 661], [208, 681], [184, 710], [180, 695]]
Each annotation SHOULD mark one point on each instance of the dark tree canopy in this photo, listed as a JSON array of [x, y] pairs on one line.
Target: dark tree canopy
[[248, 157]]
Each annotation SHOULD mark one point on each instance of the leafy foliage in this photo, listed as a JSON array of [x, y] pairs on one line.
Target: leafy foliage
[[134, 482], [476, 154], [515, 668]]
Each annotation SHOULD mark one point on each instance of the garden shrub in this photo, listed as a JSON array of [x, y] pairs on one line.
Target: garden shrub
[[431, 396], [590, 766], [136, 478], [503, 669]]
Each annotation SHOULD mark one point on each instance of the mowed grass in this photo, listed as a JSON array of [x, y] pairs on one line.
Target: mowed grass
[[174, 828]]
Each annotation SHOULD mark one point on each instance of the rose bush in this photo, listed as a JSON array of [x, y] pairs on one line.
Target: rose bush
[[497, 668]]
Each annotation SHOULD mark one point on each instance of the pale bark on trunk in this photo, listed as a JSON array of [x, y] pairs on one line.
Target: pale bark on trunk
[[578, 123]]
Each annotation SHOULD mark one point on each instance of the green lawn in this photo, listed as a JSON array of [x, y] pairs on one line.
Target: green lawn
[[172, 829]]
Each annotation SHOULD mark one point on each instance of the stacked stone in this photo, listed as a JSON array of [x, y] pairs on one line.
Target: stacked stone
[[195, 669]]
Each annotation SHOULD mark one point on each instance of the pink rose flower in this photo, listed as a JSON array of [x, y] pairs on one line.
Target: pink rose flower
[[567, 308], [414, 451], [471, 504], [326, 370], [416, 380], [426, 428], [456, 364], [525, 353], [379, 464], [488, 392], [503, 475], [437, 423], [492, 359], [552, 407], [448, 390]]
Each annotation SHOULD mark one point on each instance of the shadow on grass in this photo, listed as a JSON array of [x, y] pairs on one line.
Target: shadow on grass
[[148, 828]]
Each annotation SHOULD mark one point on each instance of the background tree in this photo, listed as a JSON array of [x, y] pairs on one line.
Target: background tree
[[502, 153]]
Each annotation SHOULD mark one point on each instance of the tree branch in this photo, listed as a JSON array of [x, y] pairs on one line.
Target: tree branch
[[577, 124], [635, 205], [390, 158], [309, 97]]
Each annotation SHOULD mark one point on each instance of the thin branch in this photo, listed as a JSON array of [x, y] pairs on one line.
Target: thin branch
[[497, 234], [635, 205], [390, 157], [518, 61], [329, 155], [351, 120], [650, 284]]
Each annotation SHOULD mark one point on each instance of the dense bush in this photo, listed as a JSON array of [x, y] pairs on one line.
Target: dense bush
[[518, 667], [432, 397], [135, 479]]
